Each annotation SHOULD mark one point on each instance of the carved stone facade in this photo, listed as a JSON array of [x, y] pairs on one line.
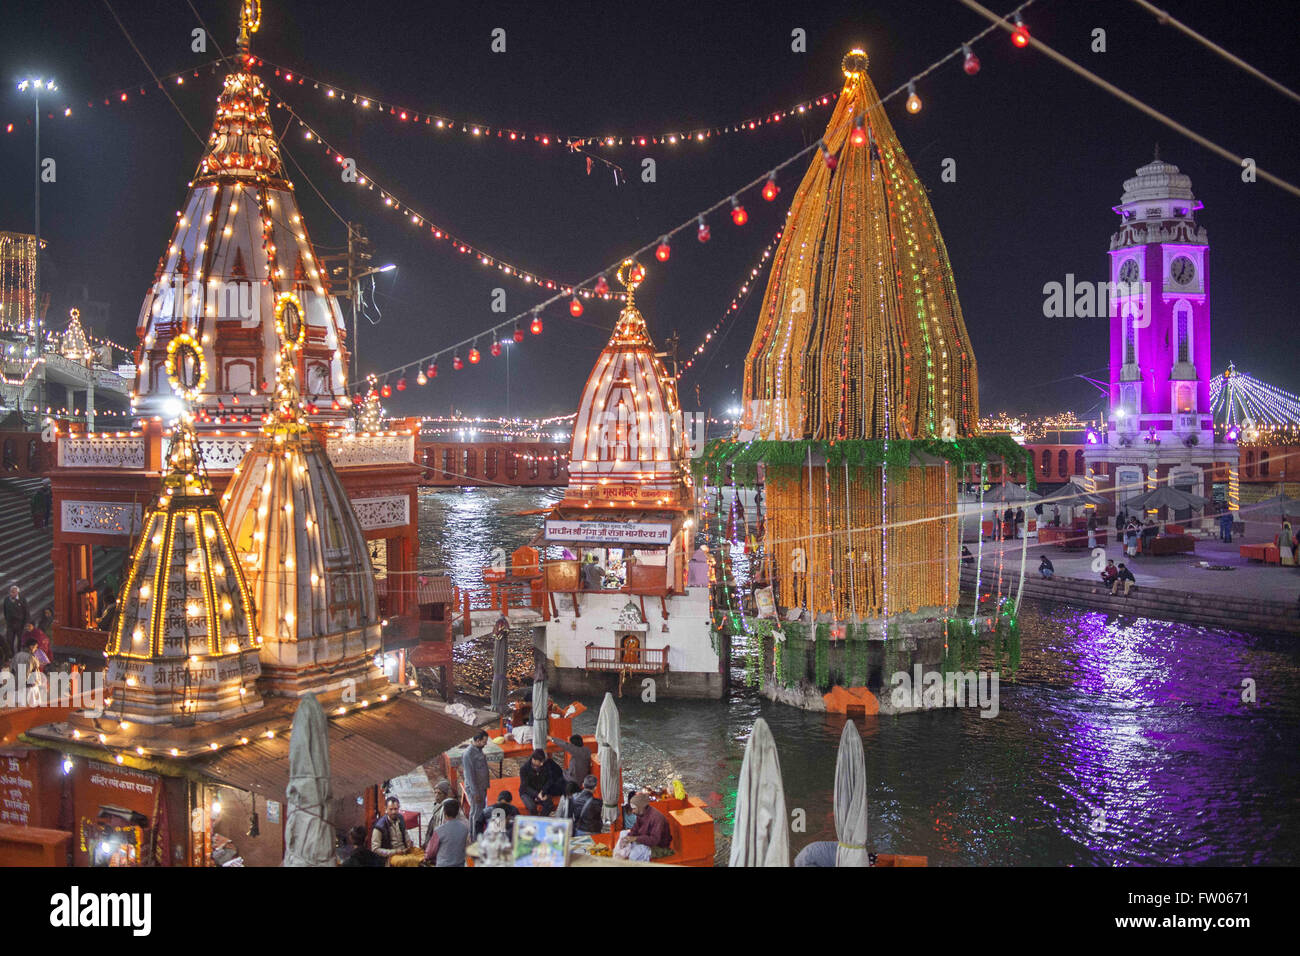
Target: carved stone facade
[[392, 511], [125, 452], [352, 450], [100, 517]]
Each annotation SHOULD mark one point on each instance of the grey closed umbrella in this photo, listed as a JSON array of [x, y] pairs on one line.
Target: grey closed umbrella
[[308, 836], [607, 753], [1279, 506], [851, 799], [541, 707], [761, 837], [499, 648], [1010, 493]]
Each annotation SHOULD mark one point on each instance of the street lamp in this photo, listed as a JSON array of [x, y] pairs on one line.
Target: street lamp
[[356, 294], [36, 86]]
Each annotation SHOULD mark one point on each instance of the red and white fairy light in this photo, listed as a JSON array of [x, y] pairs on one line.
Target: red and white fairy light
[[431, 229], [441, 123], [597, 285]]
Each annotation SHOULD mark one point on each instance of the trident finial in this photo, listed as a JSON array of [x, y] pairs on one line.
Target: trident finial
[[250, 18], [630, 275]]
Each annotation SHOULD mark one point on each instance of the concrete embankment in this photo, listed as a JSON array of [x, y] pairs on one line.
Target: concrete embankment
[[1239, 613]]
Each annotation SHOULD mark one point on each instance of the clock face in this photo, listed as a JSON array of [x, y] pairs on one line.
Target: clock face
[[1128, 272], [1182, 270]]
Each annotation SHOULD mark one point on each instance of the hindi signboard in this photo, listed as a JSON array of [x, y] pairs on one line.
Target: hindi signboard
[[610, 532]]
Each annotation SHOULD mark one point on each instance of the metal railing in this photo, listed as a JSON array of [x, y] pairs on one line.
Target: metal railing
[[641, 660]]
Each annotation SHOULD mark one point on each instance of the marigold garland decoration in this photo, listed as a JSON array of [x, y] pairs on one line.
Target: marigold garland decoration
[[861, 334]]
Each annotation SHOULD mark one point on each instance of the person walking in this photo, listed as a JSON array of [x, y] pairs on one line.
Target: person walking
[[1092, 529], [579, 758], [1020, 522], [474, 766], [16, 617], [1225, 526]]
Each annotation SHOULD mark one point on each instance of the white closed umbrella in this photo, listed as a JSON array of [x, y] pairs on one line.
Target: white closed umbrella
[[541, 708], [308, 836], [607, 750], [851, 799], [761, 837]]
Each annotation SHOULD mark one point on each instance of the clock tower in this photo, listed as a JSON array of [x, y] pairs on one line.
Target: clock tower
[[1159, 423]]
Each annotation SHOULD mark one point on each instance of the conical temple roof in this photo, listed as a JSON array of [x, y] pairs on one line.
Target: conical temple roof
[[860, 335], [239, 243], [184, 646], [628, 442], [302, 548]]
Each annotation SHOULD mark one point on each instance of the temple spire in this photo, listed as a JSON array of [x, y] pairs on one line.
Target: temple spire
[[250, 19]]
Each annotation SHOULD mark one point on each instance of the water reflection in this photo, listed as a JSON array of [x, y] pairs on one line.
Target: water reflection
[[1124, 741]]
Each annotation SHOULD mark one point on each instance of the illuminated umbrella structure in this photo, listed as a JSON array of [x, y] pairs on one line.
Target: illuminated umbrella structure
[[760, 837], [851, 799], [607, 753], [308, 836], [1167, 497], [1010, 492]]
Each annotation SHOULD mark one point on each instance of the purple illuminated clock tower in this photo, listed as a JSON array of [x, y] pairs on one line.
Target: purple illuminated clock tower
[[1160, 426]]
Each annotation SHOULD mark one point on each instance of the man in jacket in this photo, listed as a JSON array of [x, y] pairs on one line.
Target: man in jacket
[[584, 808], [389, 836], [16, 617], [650, 835], [579, 758], [541, 783], [474, 767]]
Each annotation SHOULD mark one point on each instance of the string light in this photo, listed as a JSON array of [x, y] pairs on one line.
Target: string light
[[663, 250], [738, 214], [702, 233], [913, 101], [1020, 35]]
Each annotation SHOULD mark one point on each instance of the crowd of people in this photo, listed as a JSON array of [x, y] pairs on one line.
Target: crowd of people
[[545, 789], [26, 650]]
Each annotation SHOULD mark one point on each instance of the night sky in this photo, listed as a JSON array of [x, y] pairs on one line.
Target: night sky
[[1041, 159]]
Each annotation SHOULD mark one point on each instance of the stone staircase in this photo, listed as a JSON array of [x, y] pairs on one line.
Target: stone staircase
[[25, 549], [1245, 613]]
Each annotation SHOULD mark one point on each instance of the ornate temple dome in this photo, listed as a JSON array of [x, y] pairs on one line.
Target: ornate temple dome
[[239, 242], [1157, 180], [301, 547], [628, 443], [860, 335], [184, 647]]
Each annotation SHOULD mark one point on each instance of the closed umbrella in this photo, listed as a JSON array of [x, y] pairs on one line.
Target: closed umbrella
[[308, 836], [500, 644], [607, 752], [541, 707], [1074, 497], [760, 837], [851, 799]]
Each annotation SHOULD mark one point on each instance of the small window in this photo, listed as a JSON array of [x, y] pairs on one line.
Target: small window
[[1263, 462], [1047, 462], [1062, 462], [1153, 213], [1078, 462]]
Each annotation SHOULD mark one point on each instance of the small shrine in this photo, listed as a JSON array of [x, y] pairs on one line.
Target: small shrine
[[628, 521], [185, 644], [301, 546]]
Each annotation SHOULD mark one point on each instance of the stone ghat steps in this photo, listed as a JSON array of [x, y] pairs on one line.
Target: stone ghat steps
[[25, 548], [1254, 615]]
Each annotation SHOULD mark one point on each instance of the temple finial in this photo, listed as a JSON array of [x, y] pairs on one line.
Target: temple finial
[[250, 18]]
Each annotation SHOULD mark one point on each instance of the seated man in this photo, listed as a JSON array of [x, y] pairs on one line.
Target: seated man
[[650, 835], [361, 854], [584, 808], [541, 783], [1109, 574], [505, 803], [1045, 567], [1124, 581], [966, 556], [389, 836]]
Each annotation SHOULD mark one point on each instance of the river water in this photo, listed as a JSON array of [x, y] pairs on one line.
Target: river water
[[1123, 741]]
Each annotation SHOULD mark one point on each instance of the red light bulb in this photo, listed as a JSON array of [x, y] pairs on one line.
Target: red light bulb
[[702, 233], [1020, 35], [496, 349], [859, 134], [602, 286], [519, 334], [536, 326], [474, 356], [971, 64], [456, 363], [386, 391], [770, 189], [401, 384], [738, 214], [829, 159], [663, 251], [575, 307], [432, 370]]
